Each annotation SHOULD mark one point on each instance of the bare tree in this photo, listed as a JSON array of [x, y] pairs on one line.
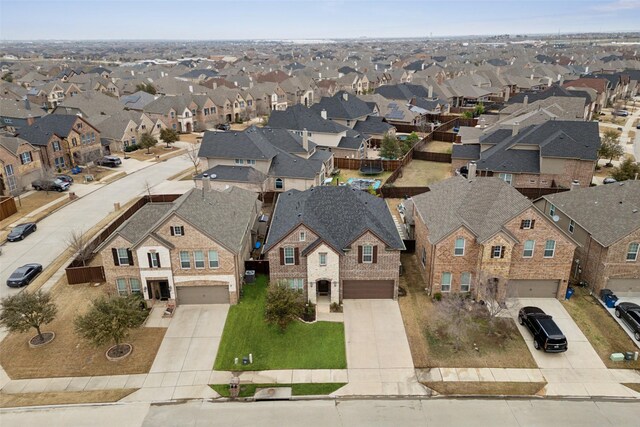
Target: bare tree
[[191, 154], [81, 246], [494, 292], [455, 318]]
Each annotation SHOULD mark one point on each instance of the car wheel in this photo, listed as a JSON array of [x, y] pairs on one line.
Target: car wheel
[[536, 345], [520, 320], [35, 227], [22, 237], [59, 190], [637, 335], [618, 313], [36, 188]]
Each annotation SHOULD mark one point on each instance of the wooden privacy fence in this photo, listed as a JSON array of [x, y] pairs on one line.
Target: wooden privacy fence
[[7, 207], [355, 164], [76, 275], [390, 192], [432, 157], [259, 266]]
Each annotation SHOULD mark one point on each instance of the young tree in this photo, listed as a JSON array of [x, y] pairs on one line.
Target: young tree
[[615, 152], [454, 318], [493, 292], [110, 320], [628, 169], [467, 115], [191, 154], [80, 245], [390, 148], [23, 311], [147, 141], [169, 136], [479, 110], [283, 305]]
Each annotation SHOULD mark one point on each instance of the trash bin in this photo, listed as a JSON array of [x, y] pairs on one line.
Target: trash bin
[[569, 293], [610, 300], [604, 293], [249, 276], [628, 355]]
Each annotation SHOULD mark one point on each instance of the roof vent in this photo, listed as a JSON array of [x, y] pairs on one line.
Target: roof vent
[[635, 211]]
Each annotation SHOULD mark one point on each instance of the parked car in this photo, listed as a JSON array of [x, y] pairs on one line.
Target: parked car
[[21, 231], [65, 178], [638, 126], [609, 180], [22, 276], [109, 161], [224, 126], [630, 314], [621, 113], [546, 334], [52, 184]]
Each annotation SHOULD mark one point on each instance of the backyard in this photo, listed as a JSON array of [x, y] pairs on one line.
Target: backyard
[[421, 173], [429, 348], [345, 174], [438, 147], [317, 345]]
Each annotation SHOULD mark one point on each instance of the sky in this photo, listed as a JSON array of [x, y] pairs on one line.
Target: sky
[[306, 19]]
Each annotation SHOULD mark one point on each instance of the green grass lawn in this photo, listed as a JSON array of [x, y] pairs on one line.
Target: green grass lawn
[[302, 346], [311, 389]]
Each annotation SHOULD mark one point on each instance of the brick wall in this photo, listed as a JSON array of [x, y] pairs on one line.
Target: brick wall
[[615, 263]]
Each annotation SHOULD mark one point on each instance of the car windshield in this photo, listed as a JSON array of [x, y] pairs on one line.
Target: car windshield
[[19, 228], [58, 181], [18, 273]]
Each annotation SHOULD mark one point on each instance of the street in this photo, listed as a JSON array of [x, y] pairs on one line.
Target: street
[[49, 241], [348, 413]]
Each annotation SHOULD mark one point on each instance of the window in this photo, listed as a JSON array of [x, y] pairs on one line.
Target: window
[[549, 248], [135, 286], [506, 177], [213, 259], [552, 210], [74, 141], [251, 162], [10, 177], [154, 259], [174, 126], [289, 257], [59, 162], [527, 224], [445, 283], [198, 259], [173, 115], [465, 282], [185, 262], [458, 250], [424, 257], [93, 137], [122, 287], [123, 256], [529, 246], [25, 158], [239, 162], [367, 254], [56, 145], [302, 236], [177, 230], [323, 259], [279, 184], [496, 251], [572, 226], [632, 253], [296, 284]]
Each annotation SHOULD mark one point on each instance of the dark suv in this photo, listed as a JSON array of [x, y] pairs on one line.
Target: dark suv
[[53, 184], [109, 161], [546, 334]]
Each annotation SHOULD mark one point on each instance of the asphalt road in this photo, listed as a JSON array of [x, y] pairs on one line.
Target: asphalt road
[[48, 241], [347, 413]]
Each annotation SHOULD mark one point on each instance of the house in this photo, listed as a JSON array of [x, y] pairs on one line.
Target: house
[[345, 109], [125, 128], [470, 231], [601, 86], [91, 105], [176, 112], [605, 222], [262, 160], [137, 101], [64, 140], [51, 94], [191, 250], [16, 114], [551, 154], [334, 242], [20, 164]]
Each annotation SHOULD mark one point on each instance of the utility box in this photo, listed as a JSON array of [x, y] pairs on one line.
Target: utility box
[[616, 357], [249, 276]]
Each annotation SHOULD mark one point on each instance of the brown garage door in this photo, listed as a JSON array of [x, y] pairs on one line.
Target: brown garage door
[[535, 288], [625, 287], [367, 289], [202, 295]]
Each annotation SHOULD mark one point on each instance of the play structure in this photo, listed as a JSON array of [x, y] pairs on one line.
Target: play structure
[[371, 167]]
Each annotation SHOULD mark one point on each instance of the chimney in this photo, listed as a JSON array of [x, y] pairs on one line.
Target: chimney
[[190, 88], [586, 69], [323, 113], [531, 76], [515, 129], [305, 140], [422, 66], [526, 100], [471, 173], [430, 92], [506, 94], [27, 104], [561, 81], [376, 67], [320, 76], [575, 184], [205, 183], [345, 96]]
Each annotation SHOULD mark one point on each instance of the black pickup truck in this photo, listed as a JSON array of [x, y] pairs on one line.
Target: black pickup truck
[[546, 334]]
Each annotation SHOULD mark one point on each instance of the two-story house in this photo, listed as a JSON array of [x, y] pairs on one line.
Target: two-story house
[[191, 250], [20, 164], [334, 242], [470, 231], [344, 109], [605, 222]]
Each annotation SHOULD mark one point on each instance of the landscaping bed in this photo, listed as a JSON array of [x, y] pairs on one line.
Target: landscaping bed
[[63, 397], [319, 345], [158, 150], [304, 389], [421, 173], [429, 348], [488, 388], [601, 329]]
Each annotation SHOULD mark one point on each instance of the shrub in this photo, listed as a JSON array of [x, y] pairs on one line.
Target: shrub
[[335, 307], [130, 148], [437, 296], [283, 305]]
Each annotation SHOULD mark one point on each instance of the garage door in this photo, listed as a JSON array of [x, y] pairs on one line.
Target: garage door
[[625, 287], [202, 295], [367, 289], [536, 288]]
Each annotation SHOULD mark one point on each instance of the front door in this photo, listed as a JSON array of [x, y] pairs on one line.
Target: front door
[[165, 294], [323, 287]]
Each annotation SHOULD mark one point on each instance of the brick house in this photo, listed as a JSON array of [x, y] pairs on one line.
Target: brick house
[[605, 223], [334, 242], [64, 140], [191, 251], [552, 154], [470, 231], [20, 164]]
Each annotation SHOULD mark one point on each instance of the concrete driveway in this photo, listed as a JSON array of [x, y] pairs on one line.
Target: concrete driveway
[[192, 340], [621, 322], [580, 354], [378, 356]]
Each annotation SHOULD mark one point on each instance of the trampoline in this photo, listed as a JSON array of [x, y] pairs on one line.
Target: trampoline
[[371, 167]]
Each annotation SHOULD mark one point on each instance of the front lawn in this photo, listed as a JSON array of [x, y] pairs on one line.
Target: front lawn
[[304, 389], [318, 345]]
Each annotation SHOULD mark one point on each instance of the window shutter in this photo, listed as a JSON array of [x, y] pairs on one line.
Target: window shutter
[[281, 256], [521, 224], [501, 251], [30, 156], [375, 254], [130, 256], [533, 222], [359, 254], [158, 259], [182, 230], [149, 258], [171, 228], [296, 254], [114, 251]]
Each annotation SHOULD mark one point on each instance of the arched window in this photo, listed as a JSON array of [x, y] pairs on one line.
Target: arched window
[[279, 184]]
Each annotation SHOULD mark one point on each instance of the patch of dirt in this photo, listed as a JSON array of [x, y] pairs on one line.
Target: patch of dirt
[[472, 388], [63, 397]]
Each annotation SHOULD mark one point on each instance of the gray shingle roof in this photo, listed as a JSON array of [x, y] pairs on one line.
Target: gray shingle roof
[[373, 125], [605, 211], [140, 223], [338, 214], [234, 174], [465, 151], [300, 117], [254, 143], [483, 205], [343, 106], [11, 143], [43, 128]]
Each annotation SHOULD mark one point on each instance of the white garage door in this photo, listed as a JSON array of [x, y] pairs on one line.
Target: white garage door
[[625, 287], [535, 288], [202, 295]]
